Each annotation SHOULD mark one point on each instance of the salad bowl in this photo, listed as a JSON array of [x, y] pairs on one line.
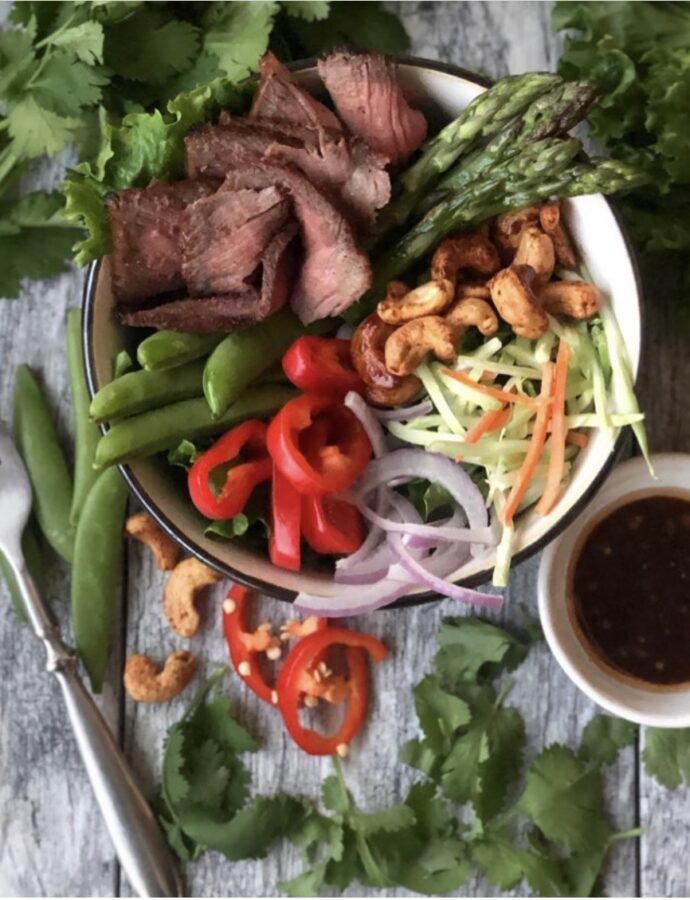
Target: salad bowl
[[441, 91]]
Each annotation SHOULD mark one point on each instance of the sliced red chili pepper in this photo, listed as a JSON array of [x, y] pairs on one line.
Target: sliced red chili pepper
[[331, 525], [245, 646], [322, 364], [290, 685], [335, 452], [248, 439], [286, 515]]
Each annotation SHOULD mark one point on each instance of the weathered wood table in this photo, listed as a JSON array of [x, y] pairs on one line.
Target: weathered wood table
[[52, 841]]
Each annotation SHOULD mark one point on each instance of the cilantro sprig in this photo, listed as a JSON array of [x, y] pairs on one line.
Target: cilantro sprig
[[117, 84]]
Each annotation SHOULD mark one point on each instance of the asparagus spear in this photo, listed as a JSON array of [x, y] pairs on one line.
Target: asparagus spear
[[550, 115], [527, 180], [483, 117]]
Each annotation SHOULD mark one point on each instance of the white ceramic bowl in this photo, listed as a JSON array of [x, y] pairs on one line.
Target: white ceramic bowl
[[663, 707], [443, 91]]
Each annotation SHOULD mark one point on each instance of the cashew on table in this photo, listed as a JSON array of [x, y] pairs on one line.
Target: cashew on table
[[143, 527], [186, 581], [145, 684]]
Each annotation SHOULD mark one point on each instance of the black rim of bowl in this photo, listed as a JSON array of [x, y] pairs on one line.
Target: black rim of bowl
[[285, 594]]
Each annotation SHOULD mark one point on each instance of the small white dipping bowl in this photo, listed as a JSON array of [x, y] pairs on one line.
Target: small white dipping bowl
[[442, 91], [662, 706]]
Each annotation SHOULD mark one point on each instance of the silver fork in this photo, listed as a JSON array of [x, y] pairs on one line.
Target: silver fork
[[130, 822]]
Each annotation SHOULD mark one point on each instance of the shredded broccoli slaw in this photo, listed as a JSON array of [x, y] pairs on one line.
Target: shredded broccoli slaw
[[598, 395]]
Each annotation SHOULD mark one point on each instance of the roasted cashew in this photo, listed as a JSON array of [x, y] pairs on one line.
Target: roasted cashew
[[536, 250], [145, 685], [143, 527], [185, 581], [550, 219], [513, 297], [470, 311], [472, 290], [409, 344], [408, 388], [578, 299], [508, 228], [367, 349], [426, 300], [464, 251]]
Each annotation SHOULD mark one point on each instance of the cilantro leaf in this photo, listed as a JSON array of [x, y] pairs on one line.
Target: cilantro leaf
[[246, 835], [85, 41], [391, 819], [36, 130], [308, 884], [309, 10], [334, 795], [469, 645], [66, 86], [146, 47], [563, 796], [213, 720], [499, 859], [367, 24], [238, 33], [175, 784], [440, 713], [604, 736], [207, 776], [666, 755]]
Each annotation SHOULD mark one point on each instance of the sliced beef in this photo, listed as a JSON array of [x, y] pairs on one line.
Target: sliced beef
[[203, 315], [145, 225], [279, 97], [369, 100], [346, 169], [334, 272], [224, 237]]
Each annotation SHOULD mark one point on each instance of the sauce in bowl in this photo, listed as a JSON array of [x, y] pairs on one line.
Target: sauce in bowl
[[629, 589]]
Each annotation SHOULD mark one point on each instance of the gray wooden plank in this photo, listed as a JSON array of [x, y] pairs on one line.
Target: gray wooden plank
[[51, 838]]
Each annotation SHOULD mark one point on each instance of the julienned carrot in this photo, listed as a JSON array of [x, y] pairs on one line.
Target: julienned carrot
[[554, 473], [490, 421], [578, 438], [496, 393], [536, 445]]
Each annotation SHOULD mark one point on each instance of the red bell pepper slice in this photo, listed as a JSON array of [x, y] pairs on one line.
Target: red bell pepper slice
[[331, 525], [249, 439], [322, 364], [246, 647], [286, 515], [335, 451], [290, 686]]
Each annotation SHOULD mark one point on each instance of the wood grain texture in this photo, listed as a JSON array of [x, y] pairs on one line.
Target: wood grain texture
[[51, 839]]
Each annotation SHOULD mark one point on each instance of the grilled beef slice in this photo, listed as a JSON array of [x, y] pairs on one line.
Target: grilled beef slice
[[334, 272], [346, 169], [278, 97], [369, 100], [145, 225], [203, 315], [224, 237]]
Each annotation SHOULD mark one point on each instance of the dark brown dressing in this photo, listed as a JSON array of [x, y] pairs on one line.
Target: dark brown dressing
[[630, 589]]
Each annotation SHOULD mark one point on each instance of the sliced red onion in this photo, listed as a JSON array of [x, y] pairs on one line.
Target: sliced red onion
[[405, 413], [372, 568], [431, 534], [422, 576], [370, 423], [356, 600]]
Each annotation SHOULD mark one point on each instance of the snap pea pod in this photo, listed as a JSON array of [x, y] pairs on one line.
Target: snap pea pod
[[274, 375], [164, 428], [34, 562], [96, 572], [86, 434], [243, 355], [45, 463], [169, 349], [139, 391]]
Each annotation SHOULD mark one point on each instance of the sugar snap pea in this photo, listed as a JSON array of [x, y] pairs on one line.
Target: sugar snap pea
[[243, 355], [96, 572], [169, 349], [45, 462], [34, 562], [136, 392], [86, 434], [164, 428]]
